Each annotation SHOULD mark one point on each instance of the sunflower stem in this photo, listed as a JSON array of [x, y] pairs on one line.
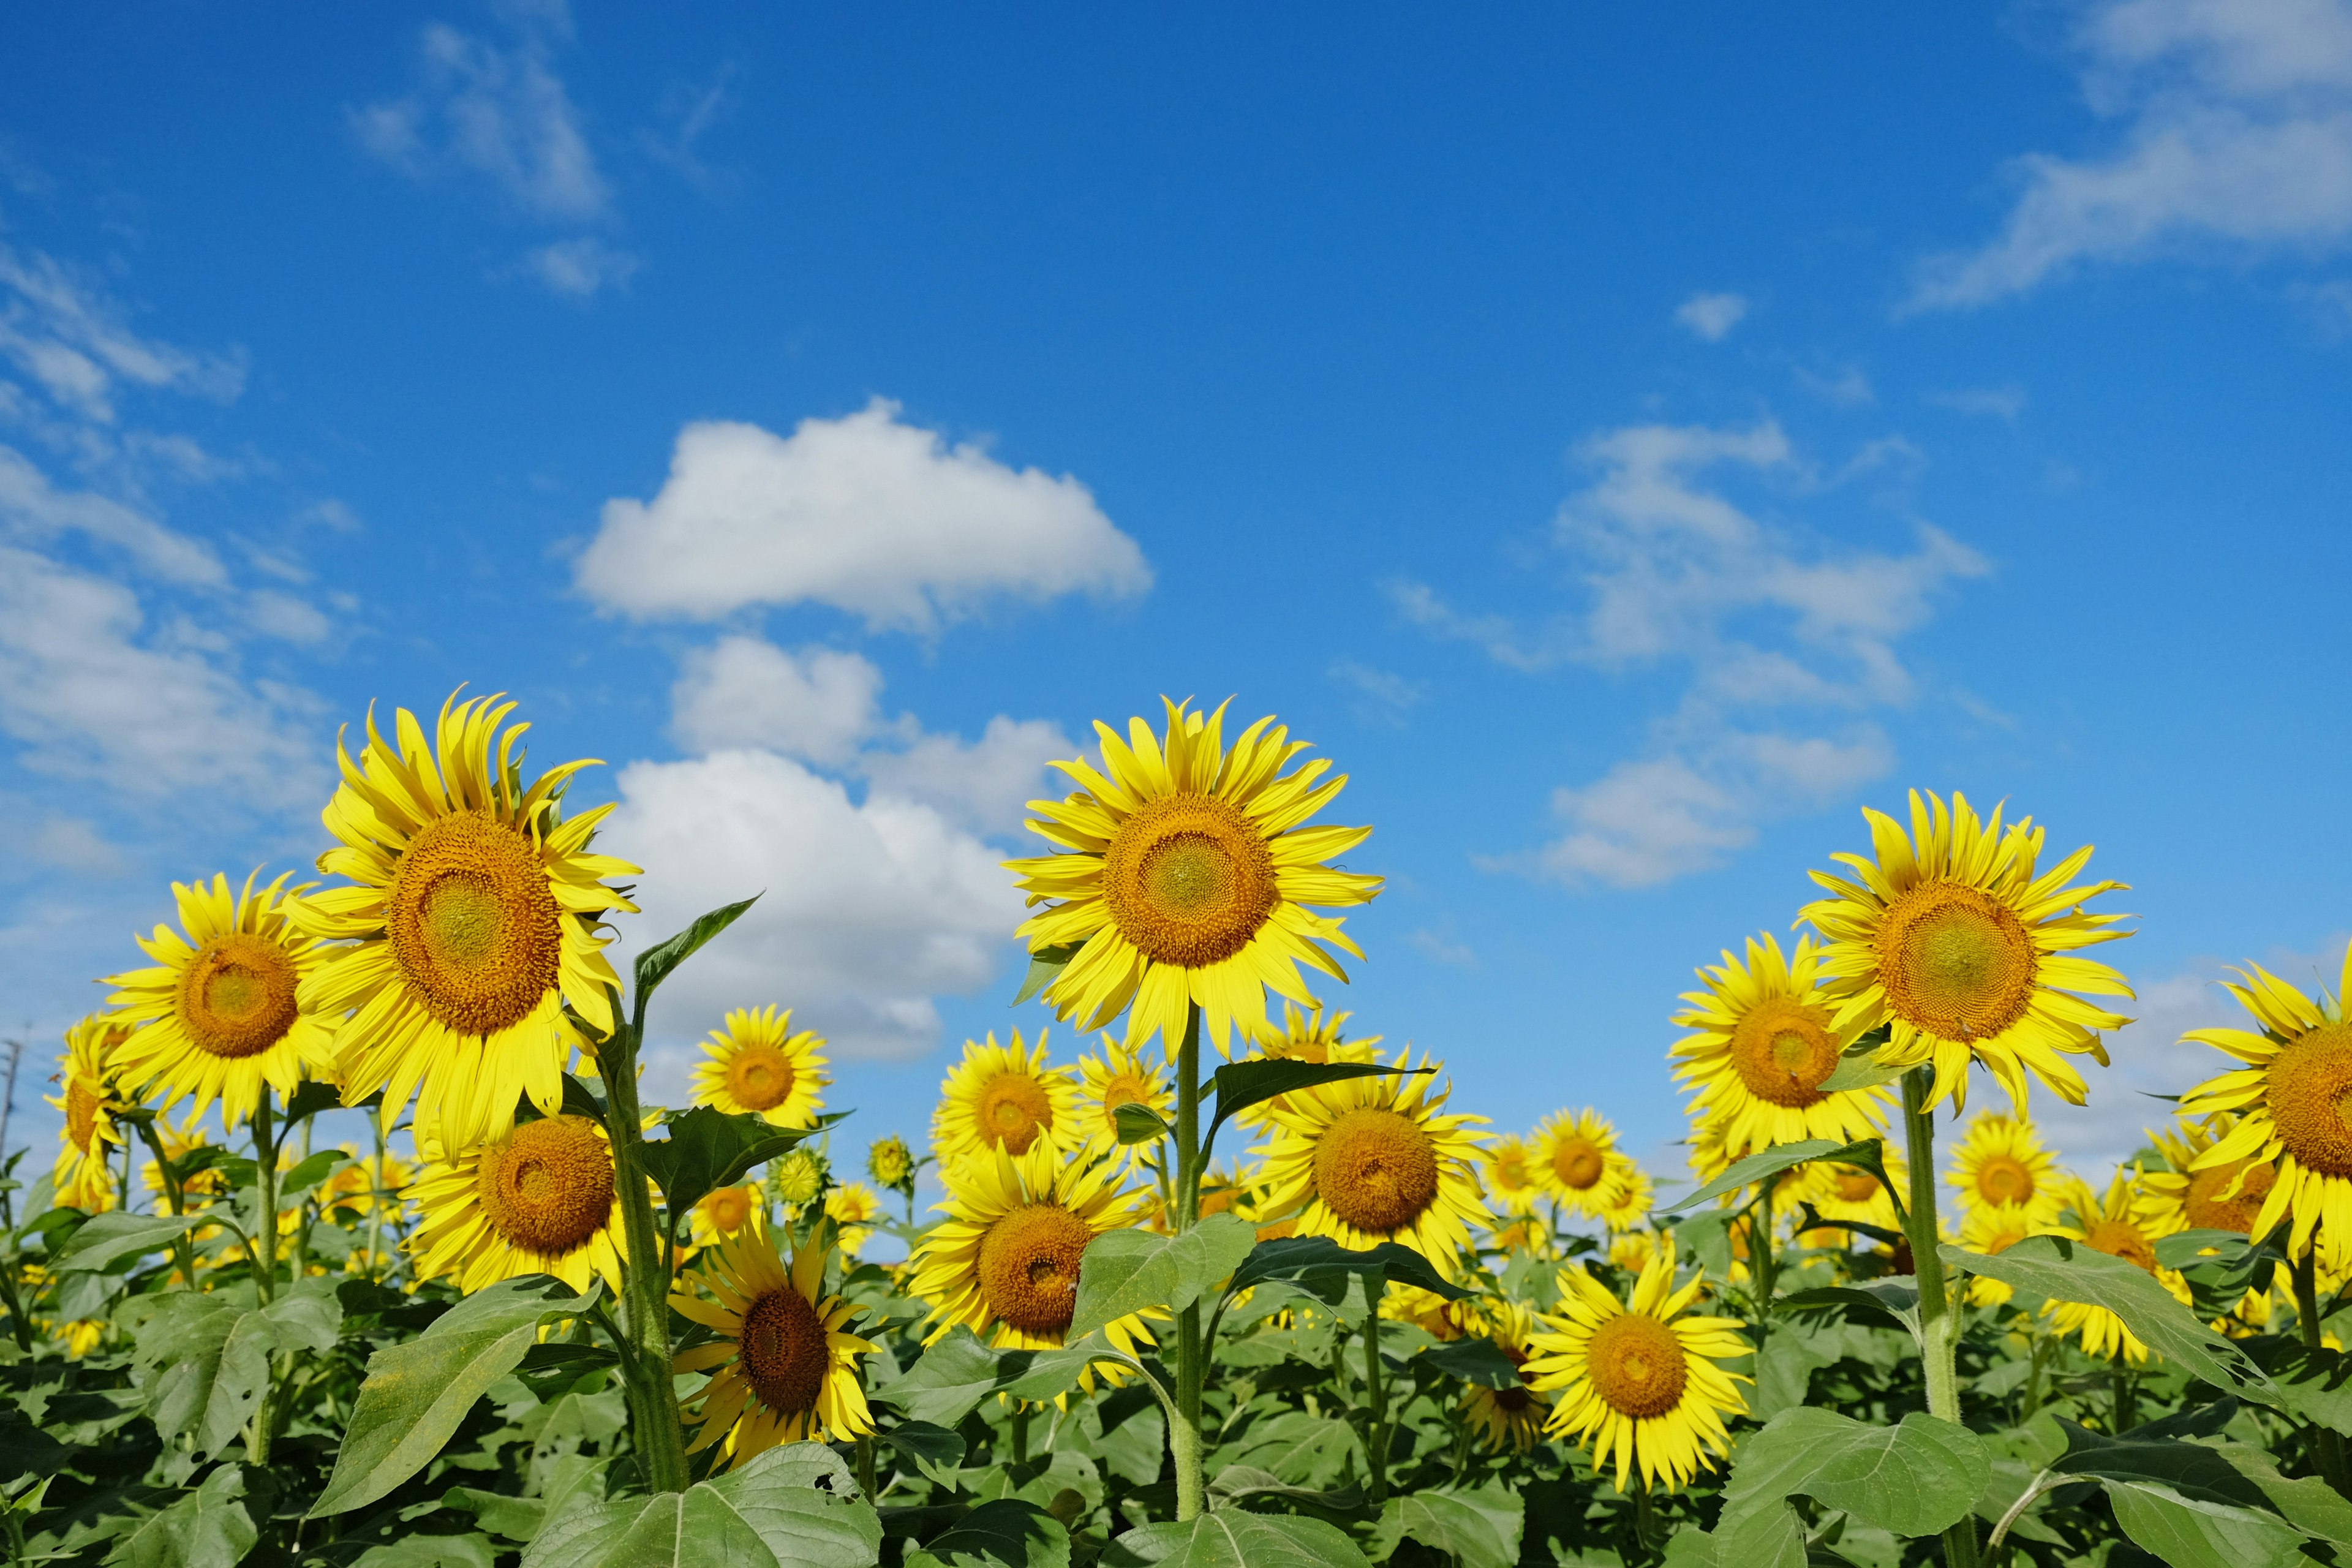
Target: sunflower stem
[[660, 1435], [1191, 1361], [183, 1253], [261, 1254], [1376, 1446], [2307, 1323], [1938, 1323]]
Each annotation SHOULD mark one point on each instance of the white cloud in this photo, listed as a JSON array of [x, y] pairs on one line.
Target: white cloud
[[1382, 696], [869, 912], [1711, 316], [2001, 402], [501, 113], [1441, 949], [65, 332], [986, 783], [37, 510], [578, 267], [1846, 388], [285, 617], [73, 844], [2236, 135], [878, 517]]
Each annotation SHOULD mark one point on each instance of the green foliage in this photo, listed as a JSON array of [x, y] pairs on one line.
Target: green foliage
[[789, 1507], [1132, 1270], [1917, 1478]]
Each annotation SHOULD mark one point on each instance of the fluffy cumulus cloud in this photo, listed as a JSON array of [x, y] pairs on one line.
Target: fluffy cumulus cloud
[[866, 513], [1789, 645], [869, 910], [2232, 135], [1711, 317]]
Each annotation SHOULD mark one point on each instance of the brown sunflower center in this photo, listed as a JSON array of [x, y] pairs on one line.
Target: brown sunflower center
[[2121, 1239], [727, 1209], [1376, 1169], [236, 996], [1577, 1163], [2208, 1210], [2005, 1179], [1029, 1266], [548, 1186], [760, 1077], [1188, 881], [1782, 1052], [1124, 1089], [1516, 1400], [1013, 1109], [2310, 1099], [81, 1113], [783, 1352], [1636, 1365], [1511, 1169], [474, 924], [1855, 1186], [1956, 962]]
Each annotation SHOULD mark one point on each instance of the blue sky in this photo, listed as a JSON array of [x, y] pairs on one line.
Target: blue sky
[[1625, 444]]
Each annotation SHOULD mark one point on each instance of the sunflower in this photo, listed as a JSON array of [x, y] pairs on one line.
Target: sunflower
[[2218, 1197], [1433, 1313], [1004, 1261], [1631, 1207], [2110, 1224], [1511, 1174], [2289, 1101], [854, 1207], [1309, 1037], [1368, 1159], [1186, 876], [201, 1188], [85, 1174], [2000, 1163], [219, 1015], [1632, 1250], [539, 1199], [360, 1186], [1990, 1229], [725, 1213], [783, 1369], [1637, 1380], [891, 1163], [756, 1065], [799, 1177], [1763, 1046], [1004, 1097], [1120, 1076], [1851, 1194], [474, 920], [1508, 1418], [1951, 940], [1579, 1164]]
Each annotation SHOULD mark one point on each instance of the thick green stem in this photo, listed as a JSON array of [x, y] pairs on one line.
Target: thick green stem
[[263, 1266], [182, 1252], [378, 1198], [1192, 1358], [1767, 1259], [1939, 1321], [2125, 1417], [2308, 1322], [661, 1439], [1376, 1408]]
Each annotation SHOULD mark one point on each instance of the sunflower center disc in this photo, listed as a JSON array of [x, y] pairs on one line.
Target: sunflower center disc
[[2121, 1239], [727, 1209], [2004, 1179], [548, 1187], [1188, 881], [1013, 1109], [1029, 1266], [759, 1077], [1636, 1365], [235, 997], [2310, 1082], [474, 926], [2208, 1210], [1578, 1164], [1124, 1090], [1956, 962], [1511, 1171], [1376, 1169], [1855, 1186], [1782, 1053], [81, 1113], [783, 1352]]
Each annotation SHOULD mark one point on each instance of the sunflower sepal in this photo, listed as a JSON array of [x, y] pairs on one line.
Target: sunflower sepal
[[1139, 1123], [1045, 966]]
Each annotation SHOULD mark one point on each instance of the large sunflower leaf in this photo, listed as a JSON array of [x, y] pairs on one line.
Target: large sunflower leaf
[[108, 1236], [1318, 1261], [1126, 1271], [203, 1359], [1767, 1538], [1230, 1538], [1006, 1533], [206, 1528], [1478, 1528], [2182, 1532], [793, 1507], [1474, 1358], [1914, 1478], [707, 1148], [950, 1379]]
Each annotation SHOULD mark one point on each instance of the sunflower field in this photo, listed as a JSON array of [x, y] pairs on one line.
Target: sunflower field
[[1228, 1286]]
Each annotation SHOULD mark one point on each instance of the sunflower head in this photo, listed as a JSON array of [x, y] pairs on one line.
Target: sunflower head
[[891, 1163], [2000, 1162], [1578, 1164], [1510, 1171], [87, 1096], [2184, 1196], [756, 1064], [539, 1199], [1954, 939], [1120, 1076], [1005, 1097], [782, 1365], [1183, 878], [1762, 1046], [854, 1207]]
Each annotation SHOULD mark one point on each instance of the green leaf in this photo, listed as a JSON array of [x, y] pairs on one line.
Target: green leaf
[[468, 1551], [934, 1450], [312, 1096], [1914, 1478], [1478, 1528], [309, 1173], [2314, 1384], [1139, 1123], [707, 1149], [771, 1514], [203, 1360], [1125, 1271], [656, 963], [580, 1100], [1230, 1538], [2063, 1270], [2193, 1470], [206, 1528], [108, 1236], [1859, 1067], [1045, 966], [1767, 1538], [1897, 1299], [418, 1391], [950, 1379], [2184, 1248], [2309, 1503], [1241, 1085], [26, 1449], [1006, 1533], [1474, 1358], [1786, 1156], [2182, 1532], [1304, 1258]]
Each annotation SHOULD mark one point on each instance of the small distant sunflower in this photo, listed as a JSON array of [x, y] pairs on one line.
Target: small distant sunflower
[[539, 1199], [218, 1015], [1511, 1174], [1989, 1230], [1632, 1250], [1004, 1097], [1309, 1037], [757, 1065], [2290, 1100], [1428, 1311], [1762, 1049], [2000, 1162], [1521, 1233], [1579, 1164], [1120, 1076], [725, 1213], [201, 1188], [475, 918], [1508, 1419], [1638, 1381], [360, 1186], [2217, 1197], [1631, 1207], [2110, 1224], [1185, 875], [799, 1177], [1848, 1193], [783, 1368], [85, 1171], [1004, 1261], [1953, 939], [1368, 1159], [891, 1163], [854, 1207]]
